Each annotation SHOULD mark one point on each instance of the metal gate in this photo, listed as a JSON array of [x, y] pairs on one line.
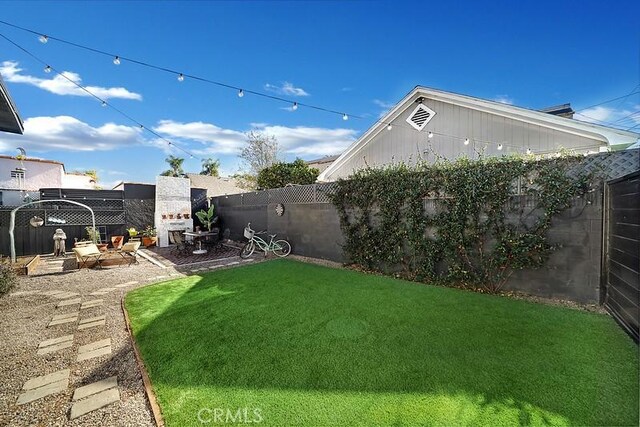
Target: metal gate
[[622, 251]]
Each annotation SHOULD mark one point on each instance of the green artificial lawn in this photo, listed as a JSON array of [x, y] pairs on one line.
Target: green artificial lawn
[[288, 343]]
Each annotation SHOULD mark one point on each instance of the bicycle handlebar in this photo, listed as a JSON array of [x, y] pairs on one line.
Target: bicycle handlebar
[[255, 232]]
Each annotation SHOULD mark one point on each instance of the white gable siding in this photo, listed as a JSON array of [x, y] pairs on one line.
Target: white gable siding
[[451, 125]]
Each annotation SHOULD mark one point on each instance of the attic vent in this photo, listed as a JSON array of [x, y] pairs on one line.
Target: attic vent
[[420, 116]]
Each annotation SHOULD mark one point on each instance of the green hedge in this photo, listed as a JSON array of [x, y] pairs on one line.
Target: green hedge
[[480, 230]]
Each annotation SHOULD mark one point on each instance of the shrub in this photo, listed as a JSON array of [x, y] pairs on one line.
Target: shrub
[[8, 279], [281, 174]]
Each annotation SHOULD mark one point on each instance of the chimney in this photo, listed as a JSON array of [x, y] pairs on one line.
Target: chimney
[[563, 110]]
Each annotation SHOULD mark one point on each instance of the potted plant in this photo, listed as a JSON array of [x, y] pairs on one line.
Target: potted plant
[[149, 236], [94, 236], [207, 218], [132, 232]]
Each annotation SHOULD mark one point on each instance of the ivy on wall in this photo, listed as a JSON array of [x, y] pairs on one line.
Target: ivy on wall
[[469, 222]]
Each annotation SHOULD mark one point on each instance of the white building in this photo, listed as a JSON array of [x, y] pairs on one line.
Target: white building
[[429, 124], [19, 176]]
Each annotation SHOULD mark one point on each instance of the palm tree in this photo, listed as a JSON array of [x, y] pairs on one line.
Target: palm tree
[[175, 163], [210, 167]]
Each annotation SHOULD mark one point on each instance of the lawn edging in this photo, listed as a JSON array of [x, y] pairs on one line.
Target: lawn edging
[[148, 389]]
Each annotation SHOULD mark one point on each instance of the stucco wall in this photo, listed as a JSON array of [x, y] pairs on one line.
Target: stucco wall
[[37, 175]]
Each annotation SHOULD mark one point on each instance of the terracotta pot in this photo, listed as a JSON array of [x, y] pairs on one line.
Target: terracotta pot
[[149, 241], [186, 216], [179, 216], [164, 216], [102, 246], [170, 216]]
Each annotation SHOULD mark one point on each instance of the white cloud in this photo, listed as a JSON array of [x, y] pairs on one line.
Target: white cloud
[[217, 139], [504, 99], [311, 141], [286, 89], [385, 105], [609, 116], [60, 85], [70, 134], [299, 141]]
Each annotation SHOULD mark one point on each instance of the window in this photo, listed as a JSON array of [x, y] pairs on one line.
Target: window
[[103, 233], [17, 174]]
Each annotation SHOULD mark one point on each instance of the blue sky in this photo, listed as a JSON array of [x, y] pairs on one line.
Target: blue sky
[[358, 57]]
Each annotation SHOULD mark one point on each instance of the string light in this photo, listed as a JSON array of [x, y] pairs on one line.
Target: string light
[[43, 39], [116, 60], [181, 76], [104, 103], [240, 93], [389, 127]]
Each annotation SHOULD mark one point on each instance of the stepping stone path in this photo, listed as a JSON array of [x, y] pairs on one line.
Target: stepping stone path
[[59, 319], [95, 349], [91, 322], [95, 396], [99, 394], [91, 304], [55, 344], [68, 302], [124, 285], [39, 387]]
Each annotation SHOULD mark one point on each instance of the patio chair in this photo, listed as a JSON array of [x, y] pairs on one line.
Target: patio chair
[[86, 253], [183, 247], [129, 252]]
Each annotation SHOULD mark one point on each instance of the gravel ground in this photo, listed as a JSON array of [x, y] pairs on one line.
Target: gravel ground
[[24, 316]]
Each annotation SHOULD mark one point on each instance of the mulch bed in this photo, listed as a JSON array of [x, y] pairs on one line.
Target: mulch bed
[[217, 252]]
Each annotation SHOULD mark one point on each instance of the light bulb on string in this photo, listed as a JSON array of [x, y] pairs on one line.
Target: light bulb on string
[[116, 60], [389, 127], [43, 38], [529, 151], [430, 135], [294, 107], [345, 117], [466, 141], [47, 69], [180, 77], [104, 103], [240, 93], [500, 147]]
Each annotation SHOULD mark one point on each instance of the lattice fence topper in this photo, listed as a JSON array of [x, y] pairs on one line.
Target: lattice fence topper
[[610, 165], [95, 204]]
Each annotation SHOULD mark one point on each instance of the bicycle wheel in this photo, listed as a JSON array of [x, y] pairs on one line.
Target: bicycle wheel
[[247, 249], [281, 248]]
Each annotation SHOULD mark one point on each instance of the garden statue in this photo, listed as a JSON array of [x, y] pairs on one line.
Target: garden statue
[[59, 238]]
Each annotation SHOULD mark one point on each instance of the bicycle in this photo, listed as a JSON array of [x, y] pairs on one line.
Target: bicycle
[[280, 248]]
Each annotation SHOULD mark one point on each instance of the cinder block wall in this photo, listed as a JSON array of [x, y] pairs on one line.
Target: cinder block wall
[[572, 273]]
